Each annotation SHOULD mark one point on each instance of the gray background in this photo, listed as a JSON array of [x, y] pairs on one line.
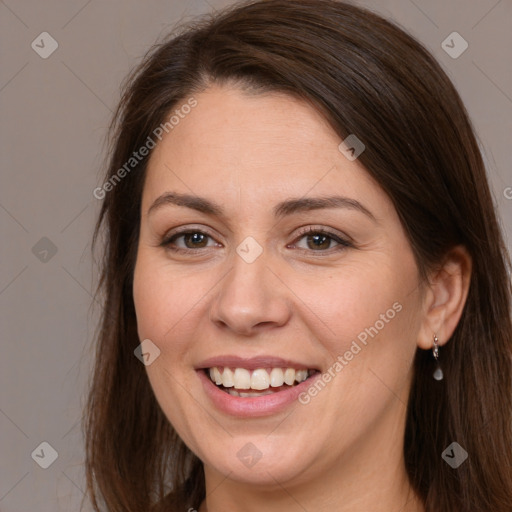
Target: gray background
[[54, 115]]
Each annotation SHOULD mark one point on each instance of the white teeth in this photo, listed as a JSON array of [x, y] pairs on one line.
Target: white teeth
[[301, 375], [289, 376], [215, 376], [227, 379], [242, 378], [259, 379], [241, 394], [276, 377]]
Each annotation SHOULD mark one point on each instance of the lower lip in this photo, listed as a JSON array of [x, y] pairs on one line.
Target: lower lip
[[246, 407]]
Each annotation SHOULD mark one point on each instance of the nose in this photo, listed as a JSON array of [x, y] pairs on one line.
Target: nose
[[251, 298]]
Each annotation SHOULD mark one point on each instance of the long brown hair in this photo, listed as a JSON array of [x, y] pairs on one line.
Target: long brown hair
[[370, 78]]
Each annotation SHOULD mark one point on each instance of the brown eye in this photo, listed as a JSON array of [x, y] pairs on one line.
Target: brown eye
[[185, 241], [319, 240], [195, 240]]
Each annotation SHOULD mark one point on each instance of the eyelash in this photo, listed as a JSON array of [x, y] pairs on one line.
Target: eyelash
[[343, 243]]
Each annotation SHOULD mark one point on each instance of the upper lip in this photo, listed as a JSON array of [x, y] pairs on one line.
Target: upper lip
[[253, 363]]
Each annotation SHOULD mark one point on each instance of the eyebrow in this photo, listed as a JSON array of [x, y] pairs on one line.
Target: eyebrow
[[282, 209]]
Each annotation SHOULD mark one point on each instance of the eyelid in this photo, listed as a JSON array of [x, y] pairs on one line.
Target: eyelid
[[326, 231], [343, 241], [181, 231]]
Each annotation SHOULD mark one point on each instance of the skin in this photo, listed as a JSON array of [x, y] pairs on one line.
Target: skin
[[343, 450]]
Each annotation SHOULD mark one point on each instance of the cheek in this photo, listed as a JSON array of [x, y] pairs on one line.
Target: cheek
[[368, 316], [163, 299], [372, 318], [163, 302], [355, 297]]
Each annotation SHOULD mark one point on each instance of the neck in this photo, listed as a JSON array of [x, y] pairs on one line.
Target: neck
[[237, 498]]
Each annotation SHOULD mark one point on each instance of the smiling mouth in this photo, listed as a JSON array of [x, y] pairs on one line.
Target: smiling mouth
[[245, 383]]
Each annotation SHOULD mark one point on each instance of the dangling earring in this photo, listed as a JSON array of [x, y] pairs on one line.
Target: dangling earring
[[438, 374]]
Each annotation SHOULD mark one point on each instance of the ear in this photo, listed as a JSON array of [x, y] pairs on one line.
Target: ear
[[445, 297]]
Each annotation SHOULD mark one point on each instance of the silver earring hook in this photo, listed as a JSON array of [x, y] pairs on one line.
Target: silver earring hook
[[435, 350], [438, 374]]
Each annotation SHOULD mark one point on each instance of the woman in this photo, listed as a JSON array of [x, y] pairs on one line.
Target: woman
[[307, 304]]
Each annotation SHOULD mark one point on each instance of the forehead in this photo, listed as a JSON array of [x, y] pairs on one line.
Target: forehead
[[253, 147]]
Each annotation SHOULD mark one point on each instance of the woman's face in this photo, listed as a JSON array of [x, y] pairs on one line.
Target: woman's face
[[264, 248]]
